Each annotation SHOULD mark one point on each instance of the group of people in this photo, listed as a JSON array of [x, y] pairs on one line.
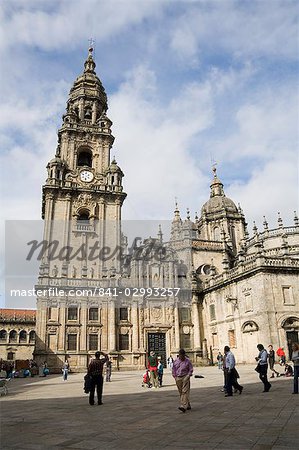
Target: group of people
[[264, 360], [182, 370], [153, 376]]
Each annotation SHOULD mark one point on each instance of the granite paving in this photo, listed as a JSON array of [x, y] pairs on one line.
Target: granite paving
[[49, 413]]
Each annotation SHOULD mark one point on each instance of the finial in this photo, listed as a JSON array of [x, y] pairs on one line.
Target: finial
[[176, 211], [188, 214], [213, 164], [296, 220], [240, 209], [254, 229], [91, 44], [196, 217], [160, 234], [279, 220], [265, 223]]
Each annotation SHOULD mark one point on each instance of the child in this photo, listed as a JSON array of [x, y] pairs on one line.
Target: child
[[160, 372], [146, 379]]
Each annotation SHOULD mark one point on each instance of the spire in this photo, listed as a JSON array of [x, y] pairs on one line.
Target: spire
[[279, 220], [177, 217], [89, 64], [160, 234], [216, 185], [265, 223], [188, 214], [296, 220], [254, 229]]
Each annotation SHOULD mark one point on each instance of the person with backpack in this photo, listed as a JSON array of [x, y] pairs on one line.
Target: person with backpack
[[262, 367]]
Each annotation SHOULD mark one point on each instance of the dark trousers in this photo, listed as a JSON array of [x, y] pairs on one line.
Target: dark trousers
[[96, 382], [160, 378], [231, 381], [296, 375], [263, 376]]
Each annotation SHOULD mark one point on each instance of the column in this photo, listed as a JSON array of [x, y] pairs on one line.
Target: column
[[83, 320], [135, 331], [176, 328], [195, 321], [61, 336], [111, 326]]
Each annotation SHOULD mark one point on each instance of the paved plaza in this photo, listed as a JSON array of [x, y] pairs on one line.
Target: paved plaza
[[48, 413]]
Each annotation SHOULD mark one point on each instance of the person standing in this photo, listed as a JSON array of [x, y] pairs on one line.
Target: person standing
[[295, 359], [95, 371], [262, 367], [220, 361], [65, 370], [160, 372], [271, 359], [170, 362], [108, 370], [153, 367], [231, 373], [182, 371]]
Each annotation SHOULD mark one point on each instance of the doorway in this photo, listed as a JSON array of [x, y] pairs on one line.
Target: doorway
[[292, 336], [157, 342]]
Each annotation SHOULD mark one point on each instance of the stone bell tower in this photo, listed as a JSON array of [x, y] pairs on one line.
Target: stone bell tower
[[82, 199]]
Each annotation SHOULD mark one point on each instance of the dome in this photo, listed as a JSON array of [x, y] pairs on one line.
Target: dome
[[113, 168], [56, 161], [217, 204]]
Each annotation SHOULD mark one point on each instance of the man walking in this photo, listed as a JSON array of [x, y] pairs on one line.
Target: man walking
[[95, 371], [182, 371], [262, 366], [231, 373]]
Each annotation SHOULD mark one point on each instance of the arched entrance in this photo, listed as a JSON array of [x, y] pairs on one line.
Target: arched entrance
[[291, 327]]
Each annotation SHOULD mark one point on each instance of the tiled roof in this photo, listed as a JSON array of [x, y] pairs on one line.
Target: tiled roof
[[17, 314]]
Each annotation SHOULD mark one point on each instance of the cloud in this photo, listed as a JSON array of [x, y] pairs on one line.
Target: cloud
[[237, 29], [153, 138]]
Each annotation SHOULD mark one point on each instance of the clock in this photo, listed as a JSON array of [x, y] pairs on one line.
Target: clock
[[86, 176]]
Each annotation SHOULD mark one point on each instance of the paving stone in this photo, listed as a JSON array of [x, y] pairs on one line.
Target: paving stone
[[51, 414]]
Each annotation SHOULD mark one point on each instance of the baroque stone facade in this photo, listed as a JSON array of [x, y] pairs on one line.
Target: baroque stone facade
[[208, 286]]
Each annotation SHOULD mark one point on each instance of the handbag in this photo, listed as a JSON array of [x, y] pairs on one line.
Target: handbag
[[258, 368], [87, 384]]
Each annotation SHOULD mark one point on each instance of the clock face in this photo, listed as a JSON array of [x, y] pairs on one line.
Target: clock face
[[86, 176]]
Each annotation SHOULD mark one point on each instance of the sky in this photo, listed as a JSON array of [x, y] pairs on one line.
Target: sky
[[189, 84]]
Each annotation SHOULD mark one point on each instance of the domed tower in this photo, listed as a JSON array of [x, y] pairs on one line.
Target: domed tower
[[221, 219], [80, 252]]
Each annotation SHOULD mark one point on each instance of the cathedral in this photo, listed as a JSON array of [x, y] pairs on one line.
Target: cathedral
[[208, 285]]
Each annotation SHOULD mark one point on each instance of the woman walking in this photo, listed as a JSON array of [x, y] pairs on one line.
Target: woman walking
[[295, 359]]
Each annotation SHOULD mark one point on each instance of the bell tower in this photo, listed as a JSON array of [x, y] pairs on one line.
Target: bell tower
[[81, 208]]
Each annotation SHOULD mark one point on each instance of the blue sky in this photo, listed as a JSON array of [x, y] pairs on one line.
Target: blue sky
[[187, 82]]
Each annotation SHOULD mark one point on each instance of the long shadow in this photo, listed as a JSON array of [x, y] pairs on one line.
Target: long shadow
[[150, 419]]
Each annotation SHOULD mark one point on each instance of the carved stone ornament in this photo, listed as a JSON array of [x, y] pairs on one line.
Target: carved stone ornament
[[93, 329], [156, 313], [186, 329], [52, 330], [84, 199], [72, 330]]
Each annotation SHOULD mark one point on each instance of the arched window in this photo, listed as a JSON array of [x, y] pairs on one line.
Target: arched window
[[83, 216], [3, 335], [13, 336], [32, 336], [85, 158], [23, 336]]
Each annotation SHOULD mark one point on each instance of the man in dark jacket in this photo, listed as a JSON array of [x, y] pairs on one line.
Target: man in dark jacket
[[95, 371]]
